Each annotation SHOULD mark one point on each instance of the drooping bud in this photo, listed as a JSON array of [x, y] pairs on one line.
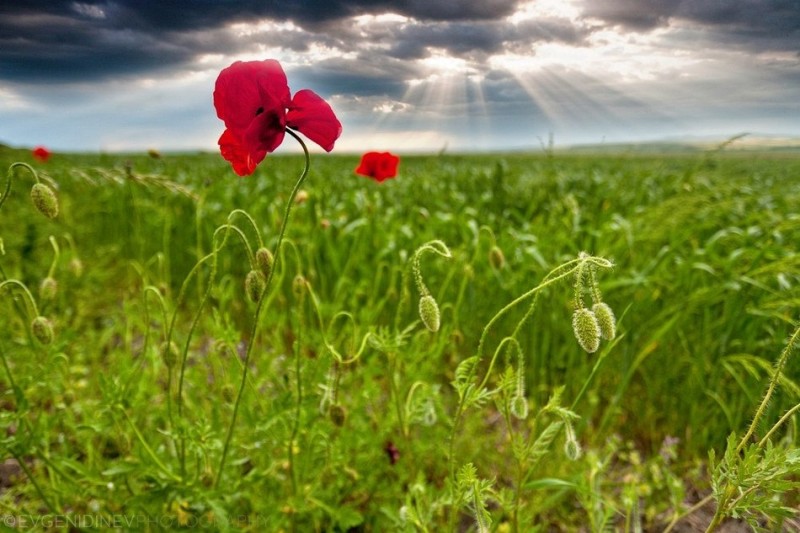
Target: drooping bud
[[76, 267], [44, 199], [264, 261], [572, 448], [586, 329], [338, 415], [254, 285], [42, 329], [429, 312], [519, 406], [606, 320], [496, 258], [170, 354], [299, 285], [48, 289], [301, 196]]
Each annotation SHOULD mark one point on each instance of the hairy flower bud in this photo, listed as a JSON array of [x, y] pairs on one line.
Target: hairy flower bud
[[48, 289], [496, 258], [170, 354], [586, 329], [44, 199], [429, 312], [299, 285], [264, 261], [254, 285], [338, 415], [42, 329], [301, 197], [519, 406], [76, 267], [606, 320], [572, 449]]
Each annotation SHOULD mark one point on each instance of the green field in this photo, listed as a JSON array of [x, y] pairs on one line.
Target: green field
[[353, 414]]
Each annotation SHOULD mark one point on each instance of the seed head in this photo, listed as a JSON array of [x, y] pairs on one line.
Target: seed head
[[42, 329], [606, 320], [44, 199], [586, 329], [254, 285], [48, 289], [264, 261], [429, 312]]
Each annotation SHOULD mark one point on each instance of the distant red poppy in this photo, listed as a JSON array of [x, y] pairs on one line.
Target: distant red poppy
[[253, 100], [378, 165], [40, 153]]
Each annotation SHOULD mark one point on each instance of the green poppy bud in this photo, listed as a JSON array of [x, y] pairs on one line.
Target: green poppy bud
[[606, 320], [264, 261], [496, 258], [48, 289], [429, 312], [586, 329], [44, 199], [338, 415], [42, 329], [254, 285], [299, 285], [519, 406], [170, 354]]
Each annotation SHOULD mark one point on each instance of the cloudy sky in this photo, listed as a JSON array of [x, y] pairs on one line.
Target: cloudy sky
[[404, 75]]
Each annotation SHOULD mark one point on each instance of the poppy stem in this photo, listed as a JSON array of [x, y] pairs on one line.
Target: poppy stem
[[260, 305], [11, 173]]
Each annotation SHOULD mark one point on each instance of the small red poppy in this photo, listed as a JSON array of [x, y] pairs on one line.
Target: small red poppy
[[40, 153], [253, 100], [378, 165]]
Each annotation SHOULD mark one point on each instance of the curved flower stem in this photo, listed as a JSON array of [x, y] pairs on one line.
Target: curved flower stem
[[260, 305], [557, 274], [24, 290], [11, 173], [549, 280]]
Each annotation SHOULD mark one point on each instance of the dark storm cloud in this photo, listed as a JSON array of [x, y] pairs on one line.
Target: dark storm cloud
[[759, 25], [71, 40]]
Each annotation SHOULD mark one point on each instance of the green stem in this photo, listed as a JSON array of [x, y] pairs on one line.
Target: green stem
[[778, 424], [787, 351], [24, 290], [21, 462], [678, 517], [260, 306], [148, 449], [10, 173]]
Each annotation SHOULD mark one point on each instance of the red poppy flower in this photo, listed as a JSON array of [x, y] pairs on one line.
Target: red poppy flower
[[40, 153], [378, 165], [253, 100]]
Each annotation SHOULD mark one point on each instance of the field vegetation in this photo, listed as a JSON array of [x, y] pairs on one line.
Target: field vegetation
[[413, 356]]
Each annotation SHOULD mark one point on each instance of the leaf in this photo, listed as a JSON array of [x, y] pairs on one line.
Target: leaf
[[549, 483]]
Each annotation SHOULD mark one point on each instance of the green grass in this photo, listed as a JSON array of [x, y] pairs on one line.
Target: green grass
[[704, 287]]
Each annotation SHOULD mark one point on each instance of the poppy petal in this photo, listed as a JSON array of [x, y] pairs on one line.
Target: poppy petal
[[379, 166], [235, 152], [265, 132], [314, 118], [247, 88]]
